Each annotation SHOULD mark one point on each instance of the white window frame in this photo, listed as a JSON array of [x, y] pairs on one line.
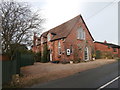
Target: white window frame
[[59, 48], [48, 37], [81, 33], [87, 50]]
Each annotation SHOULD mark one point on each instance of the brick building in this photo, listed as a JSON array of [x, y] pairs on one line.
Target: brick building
[[36, 44], [69, 41], [108, 48]]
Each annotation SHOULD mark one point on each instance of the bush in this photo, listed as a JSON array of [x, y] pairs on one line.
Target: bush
[[37, 57], [45, 56], [77, 61], [115, 56], [64, 62], [106, 54], [98, 54], [55, 62]]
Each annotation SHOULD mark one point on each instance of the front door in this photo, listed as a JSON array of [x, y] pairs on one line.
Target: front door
[[86, 54], [50, 55]]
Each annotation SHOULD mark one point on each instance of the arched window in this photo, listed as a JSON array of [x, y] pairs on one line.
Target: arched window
[[86, 53], [59, 48], [81, 34]]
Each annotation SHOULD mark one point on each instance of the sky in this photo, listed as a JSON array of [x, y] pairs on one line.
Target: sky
[[100, 16]]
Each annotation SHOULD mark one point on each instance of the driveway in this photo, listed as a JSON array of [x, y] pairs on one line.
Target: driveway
[[97, 78], [44, 72]]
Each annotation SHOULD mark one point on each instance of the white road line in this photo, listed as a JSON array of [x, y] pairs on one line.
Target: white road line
[[108, 83]]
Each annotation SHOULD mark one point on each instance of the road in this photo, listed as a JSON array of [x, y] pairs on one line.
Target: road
[[93, 78]]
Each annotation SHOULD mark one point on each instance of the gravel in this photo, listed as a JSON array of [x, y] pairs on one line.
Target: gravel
[[44, 72]]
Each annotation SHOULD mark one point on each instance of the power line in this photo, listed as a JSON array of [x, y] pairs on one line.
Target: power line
[[101, 10]]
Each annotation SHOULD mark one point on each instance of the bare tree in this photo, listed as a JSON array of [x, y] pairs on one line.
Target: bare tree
[[17, 24]]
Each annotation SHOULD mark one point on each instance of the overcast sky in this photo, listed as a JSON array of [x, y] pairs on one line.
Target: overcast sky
[[101, 16]]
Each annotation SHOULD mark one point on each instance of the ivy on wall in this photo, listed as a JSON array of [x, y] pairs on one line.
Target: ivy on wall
[[45, 57]]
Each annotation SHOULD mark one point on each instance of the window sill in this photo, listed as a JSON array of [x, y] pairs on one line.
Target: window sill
[[81, 39]]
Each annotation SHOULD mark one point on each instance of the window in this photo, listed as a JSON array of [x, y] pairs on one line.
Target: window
[[86, 54], [48, 37], [108, 47], [81, 34], [59, 48], [114, 49], [38, 41]]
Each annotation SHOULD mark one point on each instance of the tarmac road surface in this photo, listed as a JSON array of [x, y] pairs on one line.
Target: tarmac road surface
[[93, 78]]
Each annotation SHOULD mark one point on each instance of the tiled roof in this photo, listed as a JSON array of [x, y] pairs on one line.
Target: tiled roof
[[108, 44], [63, 30], [45, 34]]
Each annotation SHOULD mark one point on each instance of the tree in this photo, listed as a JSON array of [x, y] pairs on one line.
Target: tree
[[17, 24], [45, 56]]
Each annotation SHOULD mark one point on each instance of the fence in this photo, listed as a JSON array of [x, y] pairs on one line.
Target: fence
[[26, 59], [8, 69], [11, 67]]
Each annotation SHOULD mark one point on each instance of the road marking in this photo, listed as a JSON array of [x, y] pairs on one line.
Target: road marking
[[108, 83]]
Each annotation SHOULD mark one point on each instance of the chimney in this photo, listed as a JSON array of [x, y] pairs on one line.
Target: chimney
[[105, 41], [34, 39]]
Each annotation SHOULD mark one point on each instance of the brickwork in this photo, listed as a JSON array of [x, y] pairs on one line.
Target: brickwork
[[69, 40], [105, 48], [78, 45]]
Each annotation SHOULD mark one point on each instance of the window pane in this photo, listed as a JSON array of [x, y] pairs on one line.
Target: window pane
[[59, 48], [81, 33]]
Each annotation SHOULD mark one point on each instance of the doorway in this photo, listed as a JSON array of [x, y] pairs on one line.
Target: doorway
[[50, 55], [86, 54]]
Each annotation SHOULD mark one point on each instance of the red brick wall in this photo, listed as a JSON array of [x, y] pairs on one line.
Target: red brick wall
[[119, 52], [4, 57], [36, 49], [102, 47], [78, 45], [72, 40]]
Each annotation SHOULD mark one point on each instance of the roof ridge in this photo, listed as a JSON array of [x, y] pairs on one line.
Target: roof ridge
[[106, 43], [62, 24], [73, 27]]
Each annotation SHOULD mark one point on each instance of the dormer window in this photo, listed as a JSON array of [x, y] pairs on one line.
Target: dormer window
[[48, 37], [81, 34]]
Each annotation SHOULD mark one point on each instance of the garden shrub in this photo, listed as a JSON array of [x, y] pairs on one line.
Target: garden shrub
[[98, 54], [38, 57], [106, 54], [45, 56], [116, 56]]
